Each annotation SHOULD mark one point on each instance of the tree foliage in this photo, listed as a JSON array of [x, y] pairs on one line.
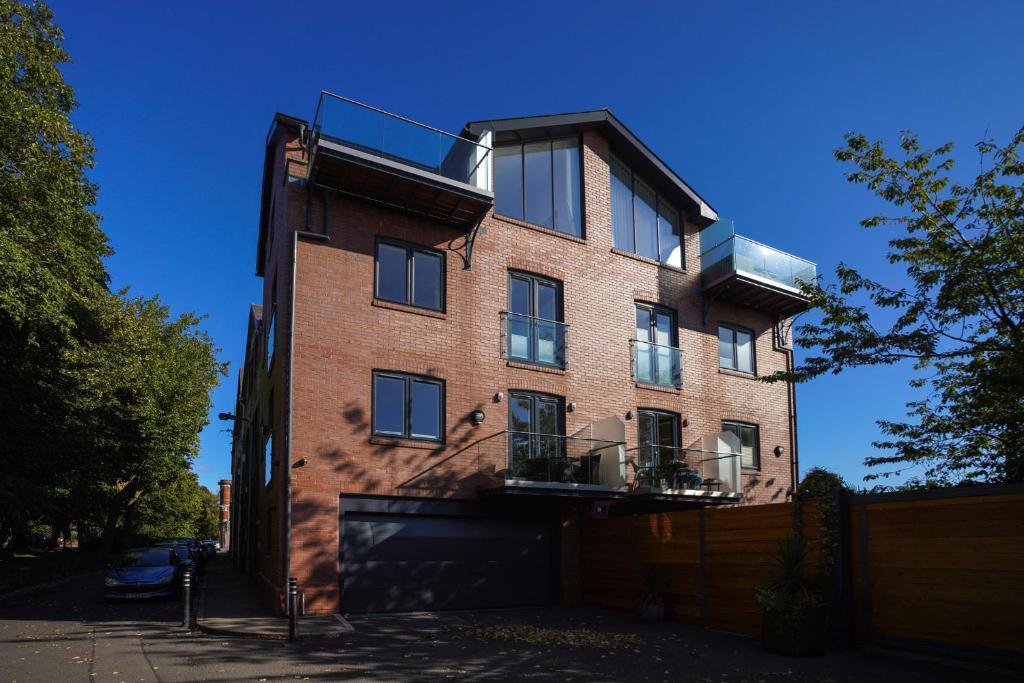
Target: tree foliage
[[958, 321], [102, 395]]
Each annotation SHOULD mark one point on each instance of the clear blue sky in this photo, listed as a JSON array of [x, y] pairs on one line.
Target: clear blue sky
[[745, 100]]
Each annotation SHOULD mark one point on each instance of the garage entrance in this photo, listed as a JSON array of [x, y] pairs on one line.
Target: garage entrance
[[399, 555]]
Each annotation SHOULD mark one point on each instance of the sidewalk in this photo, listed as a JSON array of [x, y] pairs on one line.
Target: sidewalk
[[231, 606]]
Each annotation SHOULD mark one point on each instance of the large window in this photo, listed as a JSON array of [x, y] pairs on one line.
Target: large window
[[658, 436], [656, 358], [735, 348], [536, 441], [407, 406], [750, 450], [643, 222], [539, 182], [408, 274], [536, 333]]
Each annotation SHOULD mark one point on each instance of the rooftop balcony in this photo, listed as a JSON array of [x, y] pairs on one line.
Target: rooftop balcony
[[389, 160], [738, 269]]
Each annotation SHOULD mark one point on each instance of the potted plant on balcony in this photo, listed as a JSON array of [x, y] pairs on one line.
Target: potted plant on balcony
[[795, 619], [652, 609]]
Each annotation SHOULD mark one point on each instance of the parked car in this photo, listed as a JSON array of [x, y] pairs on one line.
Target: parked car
[[143, 573], [211, 546], [191, 558]]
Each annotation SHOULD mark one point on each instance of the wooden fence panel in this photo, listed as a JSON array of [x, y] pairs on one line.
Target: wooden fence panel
[[944, 571]]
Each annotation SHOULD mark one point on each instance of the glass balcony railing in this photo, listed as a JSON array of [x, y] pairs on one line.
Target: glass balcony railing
[[657, 364], [723, 253], [399, 139], [667, 468], [553, 458], [534, 340]]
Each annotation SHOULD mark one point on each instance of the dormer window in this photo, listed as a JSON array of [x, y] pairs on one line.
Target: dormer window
[[643, 222], [539, 182]]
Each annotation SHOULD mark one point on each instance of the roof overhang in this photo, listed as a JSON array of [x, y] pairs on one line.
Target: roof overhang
[[623, 142]]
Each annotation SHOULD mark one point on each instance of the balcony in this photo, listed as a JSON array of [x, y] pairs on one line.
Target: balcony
[[740, 270], [661, 472], [392, 161], [527, 339], [656, 364]]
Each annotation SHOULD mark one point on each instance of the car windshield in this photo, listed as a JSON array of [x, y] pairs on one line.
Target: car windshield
[[144, 558]]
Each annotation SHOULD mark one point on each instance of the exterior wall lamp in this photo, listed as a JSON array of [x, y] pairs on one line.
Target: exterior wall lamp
[[478, 417], [779, 450]]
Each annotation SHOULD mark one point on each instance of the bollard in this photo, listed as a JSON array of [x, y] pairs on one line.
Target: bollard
[[186, 584], [293, 589]]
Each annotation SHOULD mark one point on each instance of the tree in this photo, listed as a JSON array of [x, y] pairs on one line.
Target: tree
[[958, 321], [102, 396], [51, 249]]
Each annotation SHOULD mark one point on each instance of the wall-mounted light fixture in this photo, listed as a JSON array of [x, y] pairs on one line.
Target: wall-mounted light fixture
[[498, 397], [299, 463], [779, 450], [478, 417], [571, 407], [629, 414]]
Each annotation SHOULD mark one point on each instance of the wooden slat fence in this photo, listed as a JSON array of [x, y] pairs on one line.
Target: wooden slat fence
[[936, 571]]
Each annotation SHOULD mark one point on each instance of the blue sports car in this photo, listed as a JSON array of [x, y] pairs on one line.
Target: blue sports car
[[143, 573]]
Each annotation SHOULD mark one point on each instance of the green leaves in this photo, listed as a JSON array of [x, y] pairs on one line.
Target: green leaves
[[102, 396], [961, 316]]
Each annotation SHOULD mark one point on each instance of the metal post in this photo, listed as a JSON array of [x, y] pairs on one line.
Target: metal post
[[293, 589], [186, 584]]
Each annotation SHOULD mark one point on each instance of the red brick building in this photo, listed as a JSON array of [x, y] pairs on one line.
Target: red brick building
[[466, 343]]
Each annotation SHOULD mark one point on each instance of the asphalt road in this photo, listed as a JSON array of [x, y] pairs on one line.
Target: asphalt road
[[68, 633]]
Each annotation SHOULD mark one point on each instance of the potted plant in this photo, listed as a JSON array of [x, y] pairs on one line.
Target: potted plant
[[653, 606], [796, 618]]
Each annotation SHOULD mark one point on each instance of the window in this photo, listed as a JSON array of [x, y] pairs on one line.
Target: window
[[536, 441], [408, 274], [643, 222], [271, 338], [656, 360], [268, 458], [735, 348], [539, 182], [407, 406], [658, 436], [749, 449], [535, 330]]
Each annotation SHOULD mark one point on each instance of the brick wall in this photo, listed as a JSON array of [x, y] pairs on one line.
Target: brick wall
[[341, 334]]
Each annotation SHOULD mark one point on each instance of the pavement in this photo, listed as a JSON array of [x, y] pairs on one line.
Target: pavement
[[67, 633], [229, 605]]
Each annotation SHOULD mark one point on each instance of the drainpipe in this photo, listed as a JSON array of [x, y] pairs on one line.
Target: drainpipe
[[288, 450]]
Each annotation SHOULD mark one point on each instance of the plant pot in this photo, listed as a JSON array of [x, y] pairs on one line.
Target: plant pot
[[653, 611], [795, 631]]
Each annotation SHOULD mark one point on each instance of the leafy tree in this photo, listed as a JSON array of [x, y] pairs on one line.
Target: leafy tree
[[182, 508], [960, 320], [102, 396], [51, 250]]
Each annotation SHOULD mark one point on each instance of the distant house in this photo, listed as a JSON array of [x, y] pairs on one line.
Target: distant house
[[467, 343]]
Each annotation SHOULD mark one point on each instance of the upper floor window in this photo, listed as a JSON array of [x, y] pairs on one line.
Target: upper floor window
[[271, 337], [643, 222], [539, 182], [268, 459], [407, 406], [535, 331], [750, 452], [735, 348], [408, 274], [656, 356]]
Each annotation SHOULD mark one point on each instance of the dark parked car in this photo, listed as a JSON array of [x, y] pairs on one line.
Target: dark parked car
[[143, 573], [191, 559], [211, 546]]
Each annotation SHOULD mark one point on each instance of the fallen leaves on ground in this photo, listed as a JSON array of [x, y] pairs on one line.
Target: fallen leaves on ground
[[575, 637]]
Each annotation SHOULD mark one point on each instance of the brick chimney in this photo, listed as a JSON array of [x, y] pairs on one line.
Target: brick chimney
[[225, 512]]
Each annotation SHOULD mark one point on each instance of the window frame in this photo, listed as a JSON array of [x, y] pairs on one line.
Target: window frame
[[522, 183], [654, 309], [410, 250], [757, 441], [658, 200], [735, 348], [533, 280], [408, 378]]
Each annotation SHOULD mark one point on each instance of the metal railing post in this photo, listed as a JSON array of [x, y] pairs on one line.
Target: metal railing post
[[293, 589], [186, 584]]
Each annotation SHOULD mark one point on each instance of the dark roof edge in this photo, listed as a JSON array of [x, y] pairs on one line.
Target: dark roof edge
[[601, 117], [287, 121]]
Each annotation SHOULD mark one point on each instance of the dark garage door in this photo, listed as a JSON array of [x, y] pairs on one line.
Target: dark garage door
[[401, 563]]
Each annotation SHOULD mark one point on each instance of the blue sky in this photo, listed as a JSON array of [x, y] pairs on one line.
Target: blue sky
[[745, 100]]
